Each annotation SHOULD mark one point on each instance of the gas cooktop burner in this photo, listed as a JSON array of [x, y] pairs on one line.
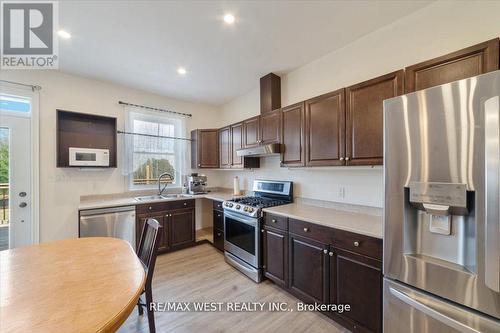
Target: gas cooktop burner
[[259, 202], [267, 194]]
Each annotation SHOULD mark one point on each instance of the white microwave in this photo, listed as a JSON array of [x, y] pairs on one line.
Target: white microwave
[[88, 157]]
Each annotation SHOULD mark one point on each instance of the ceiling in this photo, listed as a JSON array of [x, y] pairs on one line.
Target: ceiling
[[142, 43]]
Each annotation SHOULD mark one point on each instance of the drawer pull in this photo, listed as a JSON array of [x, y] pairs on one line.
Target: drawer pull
[[219, 234], [262, 230], [330, 254], [185, 204], [325, 251], [273, 220], [218, 215], [150, 207], [306, 229], [356, 243]]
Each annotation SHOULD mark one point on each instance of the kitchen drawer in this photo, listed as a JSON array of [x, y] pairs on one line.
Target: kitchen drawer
[[311, 230], [361, 244], [217, 204], [275, 221], [218, 220], [219, 239], [164, 206]]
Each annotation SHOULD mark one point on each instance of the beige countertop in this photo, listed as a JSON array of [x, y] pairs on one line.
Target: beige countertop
[[360, 223], [105, 202]]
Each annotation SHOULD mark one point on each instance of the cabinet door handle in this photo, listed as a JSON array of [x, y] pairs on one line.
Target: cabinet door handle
[[325, 251], [150, 208], [219, 234], [199, 165], [347, 158], [218, 215], [341, 158], [273, 220], [261, 230], [185, 204], [356, 243], [306, 229], [330, 254]]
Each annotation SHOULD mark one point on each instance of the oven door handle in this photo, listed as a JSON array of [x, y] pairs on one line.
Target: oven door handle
[[249, 221]]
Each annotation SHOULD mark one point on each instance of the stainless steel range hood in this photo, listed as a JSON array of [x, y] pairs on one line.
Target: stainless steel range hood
[[263, 150]]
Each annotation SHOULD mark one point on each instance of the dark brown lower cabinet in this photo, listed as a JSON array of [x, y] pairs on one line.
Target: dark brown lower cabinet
[[182, 228], [357, 280], [275, 246], [178, 226], [218, 219], [347, 270], [165, 231], [308, 269]]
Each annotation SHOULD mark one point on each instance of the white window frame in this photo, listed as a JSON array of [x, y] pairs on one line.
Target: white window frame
[[179, 149]]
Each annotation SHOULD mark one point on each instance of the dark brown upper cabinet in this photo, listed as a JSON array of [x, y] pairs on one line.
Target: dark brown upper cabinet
[[84, 130], [270, 127], [325, 129], [236, 143], [225, 147], [204, 148], [293, 121], [471, 61], [364, 117], [251, 132], [270, 93]]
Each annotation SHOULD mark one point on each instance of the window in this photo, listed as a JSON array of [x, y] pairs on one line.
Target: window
[[151, 154], [15, 104]]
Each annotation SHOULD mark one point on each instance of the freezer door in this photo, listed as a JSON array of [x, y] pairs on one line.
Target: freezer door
[[412, 311]]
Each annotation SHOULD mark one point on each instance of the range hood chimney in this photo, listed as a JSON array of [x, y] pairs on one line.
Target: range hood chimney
[[270, 100]]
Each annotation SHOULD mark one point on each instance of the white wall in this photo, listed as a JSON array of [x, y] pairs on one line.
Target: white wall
[[61, 188], [437, 29]]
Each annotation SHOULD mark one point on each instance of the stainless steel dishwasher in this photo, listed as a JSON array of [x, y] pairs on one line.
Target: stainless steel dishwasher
[[118, 222]]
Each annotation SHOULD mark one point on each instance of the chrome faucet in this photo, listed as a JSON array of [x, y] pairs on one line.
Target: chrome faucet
[[160, 189]]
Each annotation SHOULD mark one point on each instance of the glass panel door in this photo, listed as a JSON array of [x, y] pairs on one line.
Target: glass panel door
[[15, 172]]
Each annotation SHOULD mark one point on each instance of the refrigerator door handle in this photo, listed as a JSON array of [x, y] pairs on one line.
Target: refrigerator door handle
[[402, 296], [491, 194]]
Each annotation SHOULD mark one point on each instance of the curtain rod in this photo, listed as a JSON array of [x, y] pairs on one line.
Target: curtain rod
[[155, 109], [33, 87], [154, 136]]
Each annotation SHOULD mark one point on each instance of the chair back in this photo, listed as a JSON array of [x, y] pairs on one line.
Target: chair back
[[148, 247]]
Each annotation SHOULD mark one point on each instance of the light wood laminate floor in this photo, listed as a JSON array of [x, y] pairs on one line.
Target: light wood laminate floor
[[205, 233], [200, 274]]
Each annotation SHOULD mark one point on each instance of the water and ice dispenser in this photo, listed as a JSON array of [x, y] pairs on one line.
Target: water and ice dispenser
[[440, 222]]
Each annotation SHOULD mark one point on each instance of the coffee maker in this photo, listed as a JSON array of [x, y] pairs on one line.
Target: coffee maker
[[196, 184]]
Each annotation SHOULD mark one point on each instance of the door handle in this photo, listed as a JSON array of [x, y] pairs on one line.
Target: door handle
[[431, 312], [23, 204], [491, 194]]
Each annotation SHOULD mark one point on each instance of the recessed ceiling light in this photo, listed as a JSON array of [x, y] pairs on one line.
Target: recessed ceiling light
[[229, 18], [64, 34], [181, 71]]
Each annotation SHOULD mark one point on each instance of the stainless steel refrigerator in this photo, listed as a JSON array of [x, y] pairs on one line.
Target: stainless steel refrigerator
[[441, 232]]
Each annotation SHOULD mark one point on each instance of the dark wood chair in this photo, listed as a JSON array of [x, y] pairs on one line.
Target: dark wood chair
[[147, 251]]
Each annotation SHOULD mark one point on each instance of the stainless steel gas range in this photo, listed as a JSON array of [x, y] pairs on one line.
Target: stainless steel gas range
[[243, 222]]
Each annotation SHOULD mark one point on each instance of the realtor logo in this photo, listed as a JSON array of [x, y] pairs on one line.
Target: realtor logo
[[28, 35]]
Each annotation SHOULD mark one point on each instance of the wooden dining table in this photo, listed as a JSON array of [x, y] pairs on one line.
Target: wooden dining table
[[75, 285]]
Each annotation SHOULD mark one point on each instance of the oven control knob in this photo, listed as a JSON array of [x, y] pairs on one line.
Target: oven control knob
[[245, 208], [250, 209], [237, 207]]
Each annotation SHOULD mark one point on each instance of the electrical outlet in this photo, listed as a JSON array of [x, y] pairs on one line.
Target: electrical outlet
[[341, 192]]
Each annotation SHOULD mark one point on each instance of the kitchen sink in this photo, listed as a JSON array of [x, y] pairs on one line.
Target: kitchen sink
[[157, 197]]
